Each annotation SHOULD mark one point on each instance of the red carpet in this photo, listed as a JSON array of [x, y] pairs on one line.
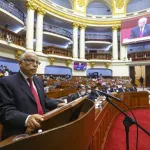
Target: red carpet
[[116, 139]]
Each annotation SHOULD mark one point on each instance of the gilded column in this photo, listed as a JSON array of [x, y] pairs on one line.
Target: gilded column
[[82, 41], [115, 42], [30, 25], [39, 29], [75, 40]]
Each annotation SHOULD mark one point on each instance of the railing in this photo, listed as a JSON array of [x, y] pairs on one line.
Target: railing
[[11, 37], [98, 56], [98, 37], [57, 51], [58, 30], [94, 17], [12, 9], [139, 56]]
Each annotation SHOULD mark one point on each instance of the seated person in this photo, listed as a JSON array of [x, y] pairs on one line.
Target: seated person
[[133, 88], [91, 93], [81, 91]]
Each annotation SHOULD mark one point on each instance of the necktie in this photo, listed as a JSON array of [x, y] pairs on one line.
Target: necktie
[[141, 33], [39, 107]]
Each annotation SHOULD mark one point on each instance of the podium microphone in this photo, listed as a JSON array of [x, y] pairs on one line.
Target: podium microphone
[[108, 95]]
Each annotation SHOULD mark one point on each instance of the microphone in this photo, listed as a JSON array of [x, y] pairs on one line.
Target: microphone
[[108, 95]]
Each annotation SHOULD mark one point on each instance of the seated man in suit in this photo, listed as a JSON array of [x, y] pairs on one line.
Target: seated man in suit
[[143, 29], [92, 95], [81, 91], [22, 98]]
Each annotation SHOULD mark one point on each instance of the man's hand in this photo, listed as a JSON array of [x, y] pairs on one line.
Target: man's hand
[[61, 104], [34, 121]]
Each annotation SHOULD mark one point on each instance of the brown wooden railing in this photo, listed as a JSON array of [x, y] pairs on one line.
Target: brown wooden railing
[[139, 56], [11, 37], [98, 56], [57, 51]]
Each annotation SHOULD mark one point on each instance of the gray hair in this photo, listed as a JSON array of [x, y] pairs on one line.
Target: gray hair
[[23, 55], [143, 19]]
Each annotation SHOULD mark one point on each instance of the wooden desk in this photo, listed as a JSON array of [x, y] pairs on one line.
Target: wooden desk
[[57, 93], [102, 121], [70, 134]]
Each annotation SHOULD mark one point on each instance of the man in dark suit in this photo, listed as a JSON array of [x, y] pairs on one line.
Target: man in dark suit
[[141, 30], [22, 98]]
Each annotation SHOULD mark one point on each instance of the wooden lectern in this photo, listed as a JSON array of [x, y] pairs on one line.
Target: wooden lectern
[[67, 128]]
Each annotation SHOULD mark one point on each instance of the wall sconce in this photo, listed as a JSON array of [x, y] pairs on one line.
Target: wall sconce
[[18, 53], [67, 62], [51, 60], [107, 64], [92, 64]]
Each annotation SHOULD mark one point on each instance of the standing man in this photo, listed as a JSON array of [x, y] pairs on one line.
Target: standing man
[[22, 98], [141, 81], [143, 29]]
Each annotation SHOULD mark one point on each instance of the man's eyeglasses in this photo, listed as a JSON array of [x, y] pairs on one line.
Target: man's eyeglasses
[[31, 61]]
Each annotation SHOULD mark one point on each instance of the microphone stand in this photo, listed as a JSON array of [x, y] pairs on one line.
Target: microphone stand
[[127, 122]]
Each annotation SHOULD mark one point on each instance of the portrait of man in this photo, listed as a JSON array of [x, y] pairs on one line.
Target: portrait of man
[[81, 67], [142, 30]]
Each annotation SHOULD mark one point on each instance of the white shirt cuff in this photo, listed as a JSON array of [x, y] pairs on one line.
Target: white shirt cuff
[[27, 120]]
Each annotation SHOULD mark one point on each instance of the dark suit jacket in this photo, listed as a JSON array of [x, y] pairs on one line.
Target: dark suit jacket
[[72, 97], [17, 102], [135, 32], [93, 95]]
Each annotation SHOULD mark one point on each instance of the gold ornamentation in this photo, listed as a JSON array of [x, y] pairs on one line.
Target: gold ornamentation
[[18, 53], [75, 24], [83, 26], [116, 27], [67, 62], [41, 11], [119, 4], [92, 64], [30, 5], [107, 64], [81, 2], [51, 60], [72, 18]]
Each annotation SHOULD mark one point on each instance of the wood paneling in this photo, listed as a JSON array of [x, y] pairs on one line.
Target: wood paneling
[[147, 75]]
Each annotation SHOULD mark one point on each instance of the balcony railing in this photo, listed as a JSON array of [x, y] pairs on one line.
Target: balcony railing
[[12, 9], [97, 37], [11, 37], [57, 30], [57, 51], [139, 56], [98, 56]]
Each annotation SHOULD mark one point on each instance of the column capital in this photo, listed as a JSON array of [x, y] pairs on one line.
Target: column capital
[[30, 5], [116, 27], [75, 24], [83, 26], [41, 11]]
